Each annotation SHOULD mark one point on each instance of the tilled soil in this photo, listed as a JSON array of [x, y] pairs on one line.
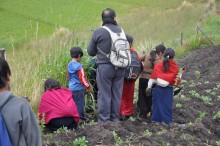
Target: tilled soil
[[196, 118]]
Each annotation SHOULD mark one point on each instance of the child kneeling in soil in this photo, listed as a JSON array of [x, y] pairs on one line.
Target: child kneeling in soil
[[77, 80], [57, 107], [165, 76]]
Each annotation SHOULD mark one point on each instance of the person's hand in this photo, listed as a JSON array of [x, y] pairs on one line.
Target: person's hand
[[89, 89], [148, 91]]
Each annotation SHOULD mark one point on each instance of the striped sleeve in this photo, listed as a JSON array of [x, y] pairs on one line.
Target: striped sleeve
[[82, 78]]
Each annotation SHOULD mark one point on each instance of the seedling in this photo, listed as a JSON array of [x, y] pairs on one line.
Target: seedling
[[206, 99], [208, 90], [201, 117], [161, 132], [197, 74], [61, 130], [194, 93], [147, 133], [217, 115], [80, 141], [218, 143], [178, 105], [206, 82], [218, 85], [186, 136], [92, 123], [132, 119], [213, 93], [118, 140], [41, 122], [192, 84]]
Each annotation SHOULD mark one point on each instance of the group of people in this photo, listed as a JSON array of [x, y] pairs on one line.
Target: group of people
[[115, 94], [60, 106]]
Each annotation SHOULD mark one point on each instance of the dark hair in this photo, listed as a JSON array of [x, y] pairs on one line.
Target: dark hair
[[50, 84], [160, 49], [129, 39], [168, 54], [75, 52], [4, 72], [108, 16], [152, 57]]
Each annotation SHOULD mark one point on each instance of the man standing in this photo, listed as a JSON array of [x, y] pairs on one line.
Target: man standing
[[109, 78]]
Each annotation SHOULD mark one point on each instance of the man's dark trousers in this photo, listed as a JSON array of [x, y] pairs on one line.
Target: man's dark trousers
[[110, 84]]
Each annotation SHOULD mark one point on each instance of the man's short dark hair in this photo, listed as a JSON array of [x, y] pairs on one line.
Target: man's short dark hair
[[108, 13], [75, 52], [4, 72]]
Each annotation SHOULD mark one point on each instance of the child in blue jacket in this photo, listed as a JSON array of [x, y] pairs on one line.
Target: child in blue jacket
[[77, 80]]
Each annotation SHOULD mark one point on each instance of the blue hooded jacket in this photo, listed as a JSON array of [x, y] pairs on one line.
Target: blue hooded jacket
[[74, 81]]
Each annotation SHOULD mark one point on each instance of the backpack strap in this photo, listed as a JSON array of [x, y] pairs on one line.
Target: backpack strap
[[9, 98], [114, 35]]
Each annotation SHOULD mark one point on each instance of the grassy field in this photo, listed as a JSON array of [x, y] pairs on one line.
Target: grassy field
[[39, 34]]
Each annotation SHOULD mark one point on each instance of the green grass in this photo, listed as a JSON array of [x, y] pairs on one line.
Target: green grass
[[39, 34], [20, 18]]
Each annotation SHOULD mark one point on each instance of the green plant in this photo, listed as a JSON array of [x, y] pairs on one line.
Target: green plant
[[92, 123], [41, 122], [218, 85], [217, 115], [61, 130], [192, 84], [178, 105], [218, 143], [201, 117], [147, 133], [197, 74], [161, 132], [194, 93], [206, 99], [182, 97], [213, 93], [118, 140], [206, 82], [91, 103], [208, 90], [80, 141], [131, 119], [186, 136]]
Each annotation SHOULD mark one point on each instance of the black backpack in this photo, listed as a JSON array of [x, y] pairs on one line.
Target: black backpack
[[133, 71]]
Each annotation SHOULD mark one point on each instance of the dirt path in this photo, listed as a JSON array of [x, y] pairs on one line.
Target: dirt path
[[196, 112]]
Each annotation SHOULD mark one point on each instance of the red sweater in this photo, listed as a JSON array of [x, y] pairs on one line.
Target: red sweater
[[170, 75]]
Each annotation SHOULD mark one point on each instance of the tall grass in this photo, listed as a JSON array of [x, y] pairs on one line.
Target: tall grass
[[42, 57]]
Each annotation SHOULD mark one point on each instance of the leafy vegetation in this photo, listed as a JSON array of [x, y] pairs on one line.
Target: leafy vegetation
[[80, 141]]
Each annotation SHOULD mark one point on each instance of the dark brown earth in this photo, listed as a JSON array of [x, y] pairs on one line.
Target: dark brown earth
[[195, 120]]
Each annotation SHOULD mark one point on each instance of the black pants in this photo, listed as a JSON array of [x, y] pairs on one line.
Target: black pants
[[144, 102], [57, 123]]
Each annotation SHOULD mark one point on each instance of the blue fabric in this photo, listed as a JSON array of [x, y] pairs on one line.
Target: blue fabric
[[4, 136], [74, 82], [162, 102], [79, 98]]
